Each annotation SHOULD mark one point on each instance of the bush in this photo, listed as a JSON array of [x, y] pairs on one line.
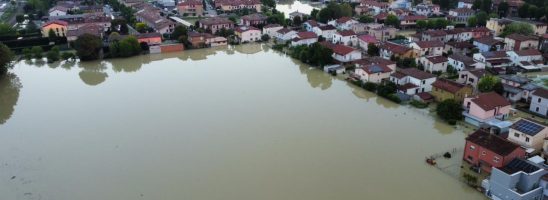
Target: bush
[[450, 111], [370, 86], [394, 98], [418, 104], [53, 55], [67, 55], [37, 52]]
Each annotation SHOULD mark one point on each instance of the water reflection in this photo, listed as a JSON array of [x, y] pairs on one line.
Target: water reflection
[[93, 73], [289, 6], [9, 94], [316, 78]]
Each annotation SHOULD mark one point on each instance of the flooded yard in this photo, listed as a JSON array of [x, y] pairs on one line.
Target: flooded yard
[[232, 123]]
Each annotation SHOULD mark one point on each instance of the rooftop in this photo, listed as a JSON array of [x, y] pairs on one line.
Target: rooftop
[[519, 165], [416, 73], [448, 85], [492, 142], [528, 127], [489, 101]]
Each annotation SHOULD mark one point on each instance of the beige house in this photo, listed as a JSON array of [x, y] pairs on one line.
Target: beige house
[[191, 8], [373, 73], [516, 42], [58, 26], [497, 25], [529, 134]]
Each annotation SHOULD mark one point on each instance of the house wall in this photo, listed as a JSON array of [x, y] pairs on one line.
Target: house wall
[[539, 105], [355, 55], [373, 78], [501, 185], [528, 141], [424, 85], [271, 31], [249, 36], [477, 155], [60, 30], [151, 41], [478, 112], [57, 13]]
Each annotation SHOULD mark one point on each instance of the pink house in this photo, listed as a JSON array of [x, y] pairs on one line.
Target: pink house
[[485, 107], [150, 38], [485, 150]]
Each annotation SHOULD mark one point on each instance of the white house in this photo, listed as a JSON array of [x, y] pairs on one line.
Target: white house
[[485, 44], [527, 59], [342, 53], [539, 102], [412, 81], [471, 77], [247, 33], [434, 63], [465, 4], [271, 30], [285, 34], [428, 48], [495, 59], [461, 62], [304, 38], [58, 11], [326, 31], [373, 73], [310, 24], [343, 23], [528, 134], [346, 37]]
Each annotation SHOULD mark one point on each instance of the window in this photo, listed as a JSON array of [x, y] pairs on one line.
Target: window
[[470, 158], [483, 153], [496, 159], [472, 147], [526, 139], [537, 110], [516, 135], [539, 100]]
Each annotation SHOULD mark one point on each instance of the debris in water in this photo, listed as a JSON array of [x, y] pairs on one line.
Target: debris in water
[[13, 177], [447, 155]]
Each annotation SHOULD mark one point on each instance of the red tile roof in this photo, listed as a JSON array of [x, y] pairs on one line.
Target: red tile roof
[[338, 48], [394, 48], [430, 44], [489, 101], [437, 59], [63, 23], [448, 85], [519, 37], [306, 35], [416, 73], [492, 142], [541, 92], [346, 33], [528, 52], [368, 38]]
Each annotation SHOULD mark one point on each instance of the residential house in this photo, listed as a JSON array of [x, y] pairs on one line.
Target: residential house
[[310, 24], [343, 23], [304, 38], [529, 134], [459, 34], [383, 33], [443, 89], [59, 28], [256, 20], [365, 40], [389, 49], [151, 39], [426, 9], [326, 31], [485, 44], [458, 48], [492, 59], [488, 151], [193, 8], [235, 5], [411, 20], [428, 48], [247, 34], [372, 73], [342, 53], [465, 3], [93, 29], [345, 37], [434, 35], [152, 18], [285, 34], [485, 107], [461, 62], [517, 180], [295, 14], [271, 29], [376, 6], [516, 42], [517, 87], [201, 40], [479, 32], [433, 63], [529, 59], [497, 25], [460, 15], [214, 24], [539, 102], [58, 11], [471, 77], [412, 81]]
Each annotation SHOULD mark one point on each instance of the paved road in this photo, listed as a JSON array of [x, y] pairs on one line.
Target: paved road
[[210, 8]]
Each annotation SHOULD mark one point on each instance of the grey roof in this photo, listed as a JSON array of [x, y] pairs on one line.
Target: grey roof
[[518, 165], [530, 86], [528, 127], [516, 78], [511, 89]]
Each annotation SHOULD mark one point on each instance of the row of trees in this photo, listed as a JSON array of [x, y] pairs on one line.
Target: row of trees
[[332, 11], [315, 54], [6, 58], [126, 47], [439, 23]]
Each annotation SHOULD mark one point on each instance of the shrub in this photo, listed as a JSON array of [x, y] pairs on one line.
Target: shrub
[[418, 104], [370, 86]]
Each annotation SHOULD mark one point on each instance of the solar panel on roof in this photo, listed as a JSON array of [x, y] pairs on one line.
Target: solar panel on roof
[[527, 127], [376, 69]]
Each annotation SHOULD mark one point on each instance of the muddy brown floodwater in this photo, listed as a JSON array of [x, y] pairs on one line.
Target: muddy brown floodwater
[[232, 123]]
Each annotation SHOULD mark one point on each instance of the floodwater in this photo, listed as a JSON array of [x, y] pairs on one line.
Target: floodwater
[[289, 6], [231, 123]]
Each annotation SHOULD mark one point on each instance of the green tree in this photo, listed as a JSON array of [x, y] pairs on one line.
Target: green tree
[[481, 18], [523, 10], [269, 3], [53, 55], [37, 52], [487, 83], [518, 27], [477, 4], [265, 38], [366, 19], [88, 47], [67, 55], [178, 32], [6, 59], [297, 21], [6, 30], [392, 20], [502, 9], [449, 110], [372, 49], [27, 53], [141, 27], [472, 21], [486, 5], [19, 18], [314, 13], [422, 24], [51, 35]]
